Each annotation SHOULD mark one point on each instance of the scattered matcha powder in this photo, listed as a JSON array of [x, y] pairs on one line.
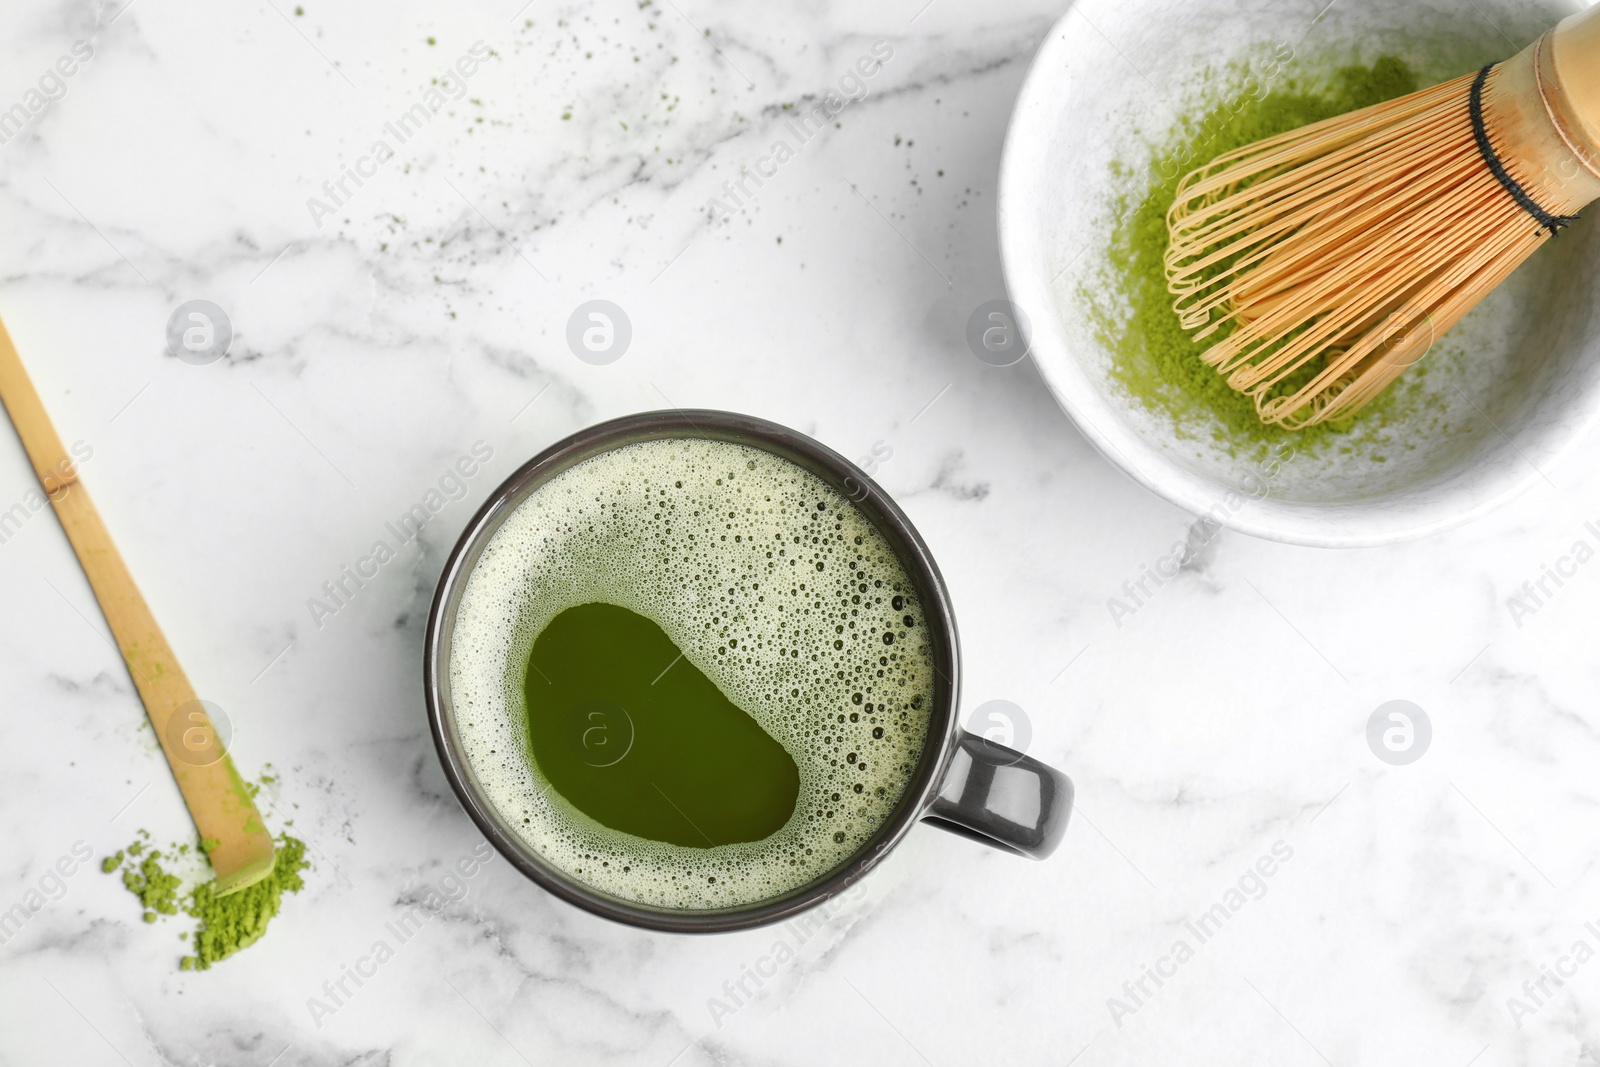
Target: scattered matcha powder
[[156, 889], [1154, 358], [236, 921], [225, 924]]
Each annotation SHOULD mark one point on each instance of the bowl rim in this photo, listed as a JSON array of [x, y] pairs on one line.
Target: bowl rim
[[1378, 520]]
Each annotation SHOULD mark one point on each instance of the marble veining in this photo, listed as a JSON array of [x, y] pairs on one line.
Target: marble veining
[[1429, 912]]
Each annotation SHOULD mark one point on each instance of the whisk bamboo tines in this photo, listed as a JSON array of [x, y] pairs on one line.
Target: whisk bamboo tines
[[1326, 261]]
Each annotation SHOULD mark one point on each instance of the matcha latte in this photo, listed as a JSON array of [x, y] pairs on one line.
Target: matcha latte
[[691, 674]]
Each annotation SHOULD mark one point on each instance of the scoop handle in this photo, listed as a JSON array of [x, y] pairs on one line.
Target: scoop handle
[[239, 846]]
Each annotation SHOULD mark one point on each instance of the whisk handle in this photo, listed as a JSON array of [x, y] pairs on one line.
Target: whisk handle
[[1575, 57]]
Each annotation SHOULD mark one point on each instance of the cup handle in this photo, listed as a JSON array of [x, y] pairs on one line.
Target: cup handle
[[997, 795]]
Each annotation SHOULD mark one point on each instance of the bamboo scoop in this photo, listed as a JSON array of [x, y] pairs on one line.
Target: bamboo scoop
[[1324, 262], [231, 830]]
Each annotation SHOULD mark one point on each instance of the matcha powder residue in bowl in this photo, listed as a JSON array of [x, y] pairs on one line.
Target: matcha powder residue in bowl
[[226, 924], [1153, 357]]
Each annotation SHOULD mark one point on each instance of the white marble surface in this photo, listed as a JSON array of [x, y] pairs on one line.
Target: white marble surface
[[1225, 716]]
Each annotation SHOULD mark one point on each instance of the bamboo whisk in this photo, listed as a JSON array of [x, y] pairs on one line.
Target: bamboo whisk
[[1328, 260]]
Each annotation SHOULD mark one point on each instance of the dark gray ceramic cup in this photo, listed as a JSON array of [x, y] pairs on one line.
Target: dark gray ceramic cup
[[963, 783]]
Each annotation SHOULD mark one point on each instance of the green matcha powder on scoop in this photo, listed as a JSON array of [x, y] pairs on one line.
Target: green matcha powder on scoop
[[1154, 358], [226, 924]]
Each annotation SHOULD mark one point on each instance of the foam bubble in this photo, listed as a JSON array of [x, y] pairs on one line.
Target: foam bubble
[[771, 583]]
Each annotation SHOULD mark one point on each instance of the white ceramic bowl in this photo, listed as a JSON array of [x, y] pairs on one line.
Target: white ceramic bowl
[[1512, 387]]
